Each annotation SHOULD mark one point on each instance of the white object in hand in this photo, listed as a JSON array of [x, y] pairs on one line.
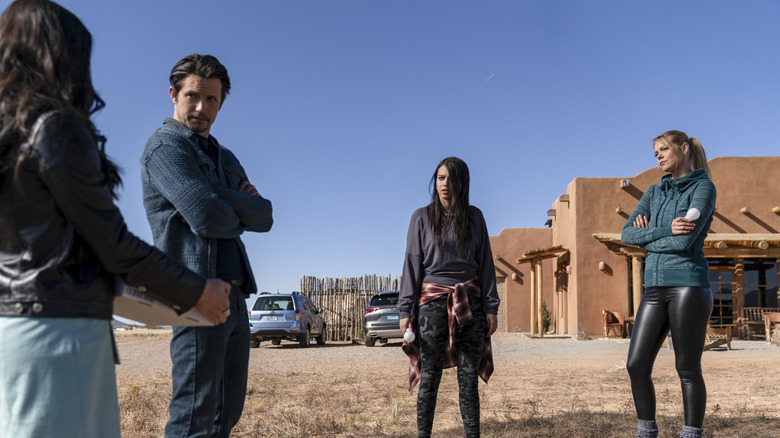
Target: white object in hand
[[409, 336], [693, 214]]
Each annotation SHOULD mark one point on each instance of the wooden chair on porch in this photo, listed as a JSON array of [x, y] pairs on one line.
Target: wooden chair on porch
[[716, 339], [614, 324], [771, 321], [752, 320]]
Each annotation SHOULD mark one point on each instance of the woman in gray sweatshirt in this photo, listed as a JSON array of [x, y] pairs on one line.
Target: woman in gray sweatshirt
[[448, 296], [671, 223]]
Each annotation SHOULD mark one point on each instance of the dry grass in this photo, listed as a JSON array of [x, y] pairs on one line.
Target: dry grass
[[143, 405], [528, 397], [291, 405], [141, 335]]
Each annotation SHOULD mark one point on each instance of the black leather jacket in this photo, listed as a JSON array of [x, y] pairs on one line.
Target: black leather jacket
[[62, 239]]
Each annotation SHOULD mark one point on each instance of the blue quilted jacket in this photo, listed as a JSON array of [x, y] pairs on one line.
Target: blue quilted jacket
[[190, 204], [674, 260]]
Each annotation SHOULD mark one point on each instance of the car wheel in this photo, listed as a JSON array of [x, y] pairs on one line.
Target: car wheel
[[321, 338], [254, 343], [369, 341], [276, 341], [305, 338]]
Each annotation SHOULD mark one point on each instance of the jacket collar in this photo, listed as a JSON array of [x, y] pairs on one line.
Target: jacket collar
[[680, 184], [192, 140], [185, 131]]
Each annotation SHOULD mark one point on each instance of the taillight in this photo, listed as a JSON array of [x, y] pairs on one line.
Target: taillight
[[297, 315], [369, 310]]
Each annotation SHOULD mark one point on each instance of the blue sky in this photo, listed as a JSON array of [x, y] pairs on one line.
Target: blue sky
[[340, 110]]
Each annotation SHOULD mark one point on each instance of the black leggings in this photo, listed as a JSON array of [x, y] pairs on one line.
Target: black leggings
[[434, 335], [684, 310]]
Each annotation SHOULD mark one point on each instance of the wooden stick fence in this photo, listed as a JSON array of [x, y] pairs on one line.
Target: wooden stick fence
[[343, 301]]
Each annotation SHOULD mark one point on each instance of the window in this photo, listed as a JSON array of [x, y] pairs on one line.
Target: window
[[760, 283], [721, 276], [273, 303], [384, 300]]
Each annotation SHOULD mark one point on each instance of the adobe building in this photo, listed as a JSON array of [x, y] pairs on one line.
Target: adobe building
[[581, 266]]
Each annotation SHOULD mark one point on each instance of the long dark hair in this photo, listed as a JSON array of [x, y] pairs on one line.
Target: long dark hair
[[45, 55], [459, 208]]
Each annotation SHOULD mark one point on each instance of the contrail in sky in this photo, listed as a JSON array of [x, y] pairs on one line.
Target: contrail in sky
[[489, 77]]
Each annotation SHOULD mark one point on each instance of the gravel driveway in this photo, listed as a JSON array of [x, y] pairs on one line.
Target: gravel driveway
[[153, 356]]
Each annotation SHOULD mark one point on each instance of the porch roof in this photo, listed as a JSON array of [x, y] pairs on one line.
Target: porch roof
[[716, 245], [545, 253]]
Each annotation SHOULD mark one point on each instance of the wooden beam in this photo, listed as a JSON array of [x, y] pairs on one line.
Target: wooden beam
[[760, 244], [632, 253], [771, 252], [549, 253]]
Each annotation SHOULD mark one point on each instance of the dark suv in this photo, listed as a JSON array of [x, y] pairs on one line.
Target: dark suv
[[380, 319], [285, 316]]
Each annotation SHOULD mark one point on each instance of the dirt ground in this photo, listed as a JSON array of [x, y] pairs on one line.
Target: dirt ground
[[541, 387]]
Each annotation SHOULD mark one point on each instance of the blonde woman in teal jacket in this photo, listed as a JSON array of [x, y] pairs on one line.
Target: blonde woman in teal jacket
[[671, 223]]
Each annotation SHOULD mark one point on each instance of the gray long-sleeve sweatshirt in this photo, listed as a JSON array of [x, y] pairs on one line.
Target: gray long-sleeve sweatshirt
[[427, 261]]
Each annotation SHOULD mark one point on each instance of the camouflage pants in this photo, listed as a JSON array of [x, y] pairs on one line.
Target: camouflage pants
[[432, 320]]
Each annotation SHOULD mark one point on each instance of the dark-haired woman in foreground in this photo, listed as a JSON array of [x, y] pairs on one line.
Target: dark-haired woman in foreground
[[671, 223], [62, 240], [448, 296]]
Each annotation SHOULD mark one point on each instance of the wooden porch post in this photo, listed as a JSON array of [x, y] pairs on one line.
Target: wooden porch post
[[534, 259], [539, 296], [554, 309], [636, 271], [565, 310], [532, 308]]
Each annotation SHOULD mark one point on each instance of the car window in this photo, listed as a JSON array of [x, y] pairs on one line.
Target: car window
[[273, 303], [384, 300]]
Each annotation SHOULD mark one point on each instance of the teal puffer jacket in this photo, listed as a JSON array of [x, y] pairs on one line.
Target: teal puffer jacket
[[674, 260]]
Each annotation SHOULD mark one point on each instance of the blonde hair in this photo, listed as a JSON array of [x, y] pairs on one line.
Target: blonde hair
[[696, 155]]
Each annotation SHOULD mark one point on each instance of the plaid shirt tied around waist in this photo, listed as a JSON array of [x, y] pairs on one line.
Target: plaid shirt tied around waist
[[458, 312]]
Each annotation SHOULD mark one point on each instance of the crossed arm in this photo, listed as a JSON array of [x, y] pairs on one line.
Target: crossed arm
[[675, 237], [220, 213]]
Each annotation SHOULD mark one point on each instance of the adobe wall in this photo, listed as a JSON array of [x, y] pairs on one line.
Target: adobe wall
[[507, 247], [564, 233], [596, 203], [752, 182]]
